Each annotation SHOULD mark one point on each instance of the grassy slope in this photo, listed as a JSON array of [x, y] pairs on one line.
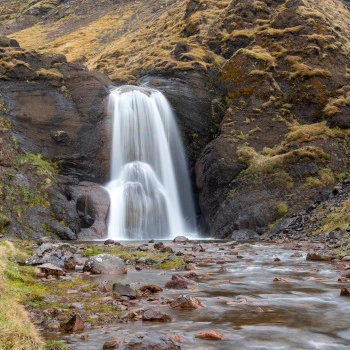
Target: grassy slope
[[16, 285]]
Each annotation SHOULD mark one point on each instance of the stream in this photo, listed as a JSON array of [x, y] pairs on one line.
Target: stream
[[244, 303]]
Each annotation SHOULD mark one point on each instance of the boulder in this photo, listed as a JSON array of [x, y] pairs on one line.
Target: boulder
[[154, 314], [151, 341], [75, 324], [51, 270], [186, 302], [106, 264], [56, 254], [179, 282], [151, 288], [210, 334], [125, 291], [313, 256]]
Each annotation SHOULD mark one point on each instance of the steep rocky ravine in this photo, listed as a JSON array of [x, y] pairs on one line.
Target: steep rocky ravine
[[261, 90]]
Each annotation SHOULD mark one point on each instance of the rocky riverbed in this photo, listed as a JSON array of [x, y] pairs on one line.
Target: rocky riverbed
[[269, 294]]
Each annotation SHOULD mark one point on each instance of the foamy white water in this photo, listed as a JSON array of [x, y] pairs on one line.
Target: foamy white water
[[149, 188]]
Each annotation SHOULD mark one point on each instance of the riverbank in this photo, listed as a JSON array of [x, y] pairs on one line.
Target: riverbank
[[247, 279]]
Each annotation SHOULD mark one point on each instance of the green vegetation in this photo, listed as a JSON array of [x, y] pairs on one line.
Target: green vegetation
[[162, 260], [17, 286], [282, 208], [55, 345]]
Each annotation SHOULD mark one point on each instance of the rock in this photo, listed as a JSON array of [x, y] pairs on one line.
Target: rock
[[210, 335], [151, 341], [106, 264], [344, 292], [281, 279], [179, 282], [78, 306], [198, 248], [52, 253], [312, 256], [277, 259], [296, 255], [158, 245], [112, 344], [190, 266], [345, 273], [242, 235], [70, 263], [346, 258], [152, 288], [186, 302], [51, 270], [154, 314], [124, 291], [75, 324], [180, 239], [109, 241]]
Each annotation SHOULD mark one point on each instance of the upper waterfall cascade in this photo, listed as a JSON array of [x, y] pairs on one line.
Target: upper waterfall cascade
[[150, 191]]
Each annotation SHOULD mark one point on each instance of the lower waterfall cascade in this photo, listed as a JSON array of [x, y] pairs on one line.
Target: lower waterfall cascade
[[150, 192]]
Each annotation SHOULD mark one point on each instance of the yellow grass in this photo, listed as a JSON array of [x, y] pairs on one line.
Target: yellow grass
[[17, 332]]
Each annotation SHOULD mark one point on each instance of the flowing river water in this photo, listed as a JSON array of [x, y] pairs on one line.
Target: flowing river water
[[244, 303]]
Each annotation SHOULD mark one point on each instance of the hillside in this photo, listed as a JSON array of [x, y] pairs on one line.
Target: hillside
[[261, 90]]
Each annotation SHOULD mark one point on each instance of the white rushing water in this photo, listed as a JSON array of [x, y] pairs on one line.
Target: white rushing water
[[149, 189]]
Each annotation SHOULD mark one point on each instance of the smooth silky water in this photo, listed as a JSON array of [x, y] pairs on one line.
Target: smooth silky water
[[150, 192], [244, 304]]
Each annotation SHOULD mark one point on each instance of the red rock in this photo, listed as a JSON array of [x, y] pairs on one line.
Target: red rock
[[210, 334], [179, 282], [186, 302], [277, 259], [345, 273], [280, 279], [112, 344], [75, 324], [154, 314], [151, 287], [344, 292]]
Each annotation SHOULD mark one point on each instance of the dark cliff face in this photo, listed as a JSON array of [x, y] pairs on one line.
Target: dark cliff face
[[260, 89], [52, 112]]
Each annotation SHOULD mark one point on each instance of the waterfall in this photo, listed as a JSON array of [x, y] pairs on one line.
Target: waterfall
[[149, 189]]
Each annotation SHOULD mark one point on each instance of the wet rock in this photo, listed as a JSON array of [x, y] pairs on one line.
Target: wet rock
[[143, 247], [277, 259], [190, 266], [52, 253], [158, 245], [75, 324], [180, 239], [280, 279], [105, 264], [344, 292], [186, 302], [313, 256], [179, 282], [345, 273], [198, 248], [154, 314], [124, 291], [296, 255], [70, 263], [108, 241], [51, 270], [346, 258], [210, 334], [151, 341], [112, 344], [151, 288]]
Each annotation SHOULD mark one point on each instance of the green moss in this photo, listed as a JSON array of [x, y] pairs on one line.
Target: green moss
[[130, 253], [55, 345], [282, 208]]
